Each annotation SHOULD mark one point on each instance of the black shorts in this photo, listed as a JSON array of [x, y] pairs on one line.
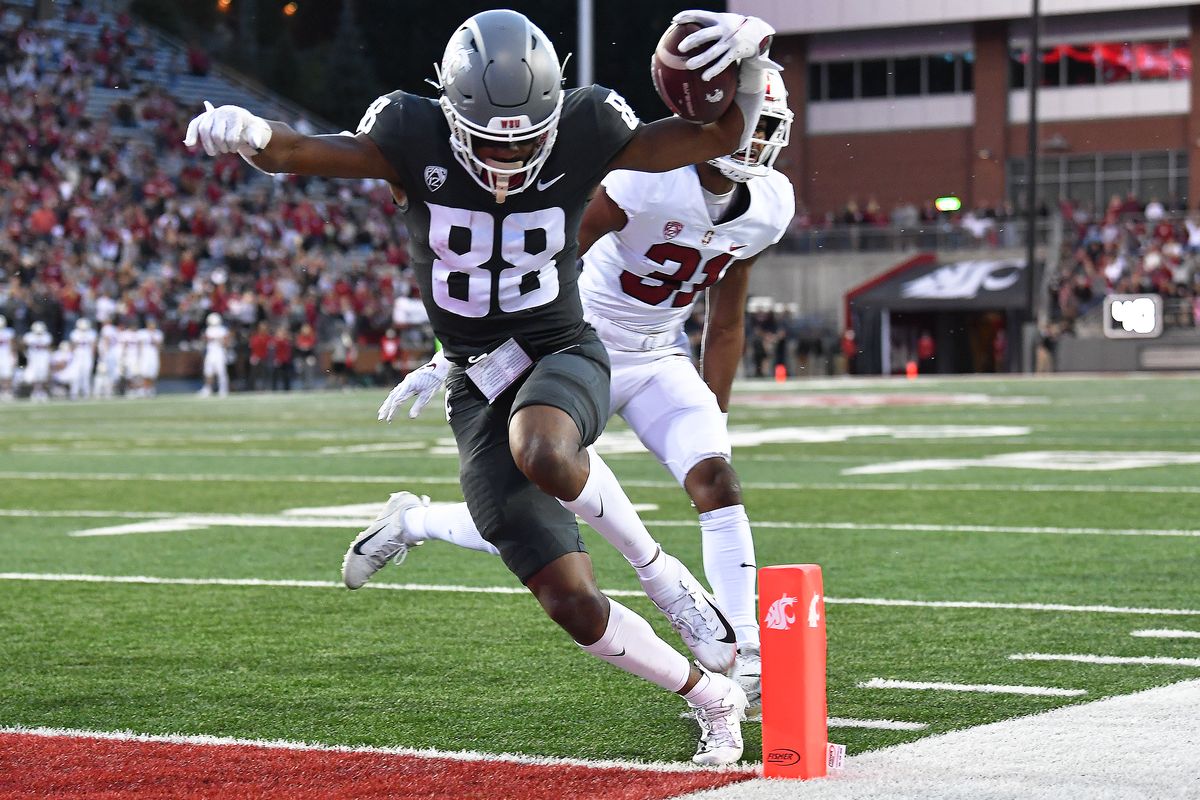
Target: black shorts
[[529, 527]]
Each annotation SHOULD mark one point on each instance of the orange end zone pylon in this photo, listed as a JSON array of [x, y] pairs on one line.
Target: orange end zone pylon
[[795, 733]]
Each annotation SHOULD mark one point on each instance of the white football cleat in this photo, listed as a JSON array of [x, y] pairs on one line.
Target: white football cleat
[[383, 539], [747, 673], [693, 613], [721, 725]]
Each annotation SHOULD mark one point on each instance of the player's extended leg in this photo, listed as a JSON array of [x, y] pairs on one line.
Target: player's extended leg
[[678, 419]]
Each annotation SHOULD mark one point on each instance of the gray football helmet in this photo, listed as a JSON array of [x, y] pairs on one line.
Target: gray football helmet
[[771, 135], [501, 83]]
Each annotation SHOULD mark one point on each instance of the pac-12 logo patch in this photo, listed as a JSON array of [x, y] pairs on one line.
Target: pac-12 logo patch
[[781, 616], [435, 177], [672, 229]]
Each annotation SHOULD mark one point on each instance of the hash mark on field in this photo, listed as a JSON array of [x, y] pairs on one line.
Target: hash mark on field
[[429, 587], [1161, 633], [1163, 661], [883, 683]]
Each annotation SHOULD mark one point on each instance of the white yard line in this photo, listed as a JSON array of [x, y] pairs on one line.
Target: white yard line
[[1100, 488], [1160, 633], [1121, 748], [453, 755], [1163, 661], [200, 519], [428, 587], [987, 688], [876, 724]]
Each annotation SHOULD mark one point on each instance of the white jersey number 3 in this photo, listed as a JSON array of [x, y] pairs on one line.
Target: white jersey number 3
[[464, 241]]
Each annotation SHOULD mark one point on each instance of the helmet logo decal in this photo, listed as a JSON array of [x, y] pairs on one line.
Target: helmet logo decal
[[455, 63], [672, 229], [435, 177]]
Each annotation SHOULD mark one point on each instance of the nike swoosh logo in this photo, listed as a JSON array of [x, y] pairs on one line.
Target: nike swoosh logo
[[749, 566], [544, 185], [601, 514], [358, 545], [733, 248], [729, 637], [475, 359], [615, 655]]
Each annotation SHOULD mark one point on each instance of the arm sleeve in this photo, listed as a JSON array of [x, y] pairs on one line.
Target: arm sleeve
[[615, 124], [383, 123]]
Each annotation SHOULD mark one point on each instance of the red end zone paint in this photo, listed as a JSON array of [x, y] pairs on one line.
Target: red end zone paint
[[77, 767]]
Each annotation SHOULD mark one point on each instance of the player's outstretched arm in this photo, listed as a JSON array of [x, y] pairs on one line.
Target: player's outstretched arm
[[725, 331], [671, 143], [275, 147]]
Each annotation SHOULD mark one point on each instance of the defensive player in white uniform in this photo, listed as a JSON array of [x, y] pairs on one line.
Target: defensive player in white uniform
[[652, 242], [216, 340], [37, 360], [83, 359], [8, 360], [150, 341]]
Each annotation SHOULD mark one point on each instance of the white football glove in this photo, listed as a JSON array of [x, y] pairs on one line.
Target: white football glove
[[228, 129], [735, 37], [422, 382]]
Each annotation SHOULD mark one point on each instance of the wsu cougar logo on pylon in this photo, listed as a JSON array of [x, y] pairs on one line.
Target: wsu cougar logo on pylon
[[780, 615]]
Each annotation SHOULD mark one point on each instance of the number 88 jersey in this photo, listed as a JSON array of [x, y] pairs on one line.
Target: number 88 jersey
[[645, 277]]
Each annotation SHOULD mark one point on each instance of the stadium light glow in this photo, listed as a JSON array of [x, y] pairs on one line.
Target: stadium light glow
[[223, 5], [290, 9], [948, 203]]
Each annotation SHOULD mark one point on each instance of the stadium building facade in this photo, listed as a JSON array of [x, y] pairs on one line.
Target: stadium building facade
[[915, 99]]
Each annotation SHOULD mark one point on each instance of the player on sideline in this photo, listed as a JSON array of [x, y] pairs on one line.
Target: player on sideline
[[150, 341], [37, 343], [216, 345], [8, 360], [494, 241], [669, 237], [108, 371], [83, 359]]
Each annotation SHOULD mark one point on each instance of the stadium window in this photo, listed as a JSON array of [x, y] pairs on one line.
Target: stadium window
[[873, 77], [906, 73], [840, 80], [1114, 60], [942, 73], [1153, 163], [1119, 164], [1016, 69], [966, 75], [1052, 69], [816, 82], [1181, 60], [1152, 60], [1081, 65]]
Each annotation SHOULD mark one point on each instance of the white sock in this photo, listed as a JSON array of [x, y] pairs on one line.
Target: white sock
[[604, 505], [631, 644], [706, 690], [728, 545], [450, 522]]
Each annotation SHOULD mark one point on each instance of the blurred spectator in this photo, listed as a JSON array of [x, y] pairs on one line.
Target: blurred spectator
[[281, 359], [261, 343], [306, 355]]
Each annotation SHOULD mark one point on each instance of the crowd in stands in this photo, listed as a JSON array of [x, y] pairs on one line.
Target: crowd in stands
[[112, 219], [1129, 248]]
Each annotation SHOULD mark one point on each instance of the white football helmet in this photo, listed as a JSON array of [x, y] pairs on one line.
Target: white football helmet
[[501, 84], [38, 327], [771, 135], [213, 320]]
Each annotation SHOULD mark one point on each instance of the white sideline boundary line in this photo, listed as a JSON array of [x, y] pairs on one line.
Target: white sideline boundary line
[[433, 587], [430, 753], [1163, 633], [1120, 748], [988, 688], [1164, 661], [639, 484]]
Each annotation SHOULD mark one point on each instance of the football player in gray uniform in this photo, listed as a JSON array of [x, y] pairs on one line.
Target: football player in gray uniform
[[493, 209]]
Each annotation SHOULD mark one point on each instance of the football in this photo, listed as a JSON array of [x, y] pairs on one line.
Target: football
[[682, 89]]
